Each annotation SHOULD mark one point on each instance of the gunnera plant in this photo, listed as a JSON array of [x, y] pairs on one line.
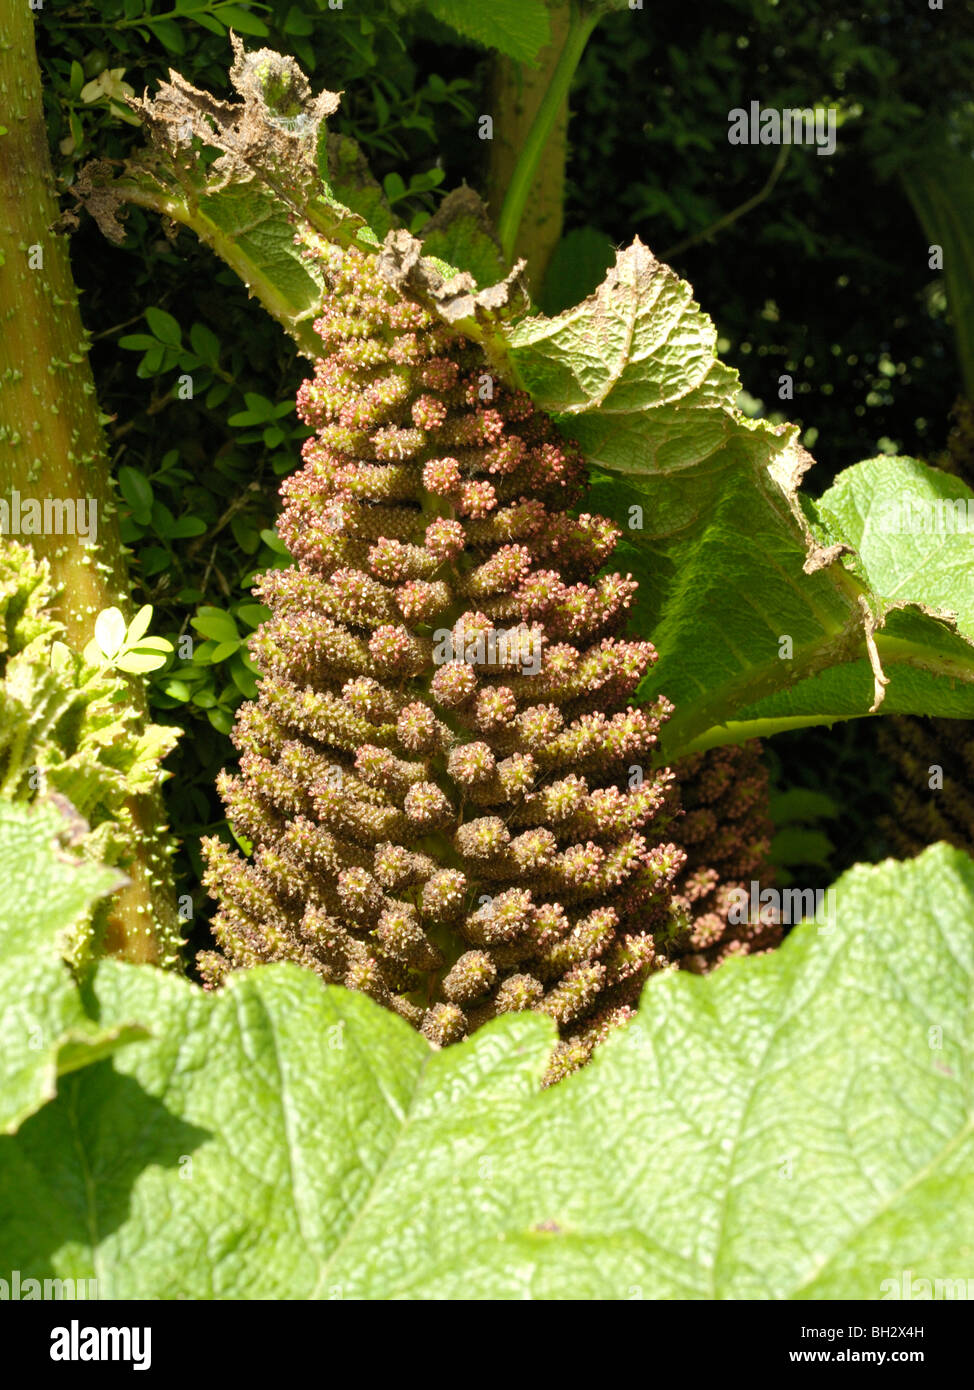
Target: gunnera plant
[[436, 779]]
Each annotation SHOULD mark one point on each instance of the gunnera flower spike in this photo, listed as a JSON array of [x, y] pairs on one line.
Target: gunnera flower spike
[[438, 775]]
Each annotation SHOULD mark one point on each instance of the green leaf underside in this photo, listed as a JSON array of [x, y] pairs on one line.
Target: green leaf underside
[[271, 181], [44, 1030], [794, 1126], [722, 544], [933, 568], [257, 225]]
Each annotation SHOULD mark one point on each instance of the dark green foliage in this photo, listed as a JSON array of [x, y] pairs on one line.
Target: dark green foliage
[[827, 279]]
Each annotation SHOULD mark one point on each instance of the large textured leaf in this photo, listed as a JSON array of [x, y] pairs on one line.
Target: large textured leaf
[[793, 1126], [744, 601], [44, 1031], [912, 527]]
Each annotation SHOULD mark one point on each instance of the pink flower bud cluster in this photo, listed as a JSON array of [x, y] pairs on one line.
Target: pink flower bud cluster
[[457, 835]]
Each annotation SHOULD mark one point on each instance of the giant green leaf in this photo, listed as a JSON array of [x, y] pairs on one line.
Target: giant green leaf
[[44, 1030], [745, 600], [912, 529], [796, 1125]]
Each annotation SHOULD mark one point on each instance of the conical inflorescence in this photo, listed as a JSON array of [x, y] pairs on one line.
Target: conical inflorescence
[[450, 798]]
